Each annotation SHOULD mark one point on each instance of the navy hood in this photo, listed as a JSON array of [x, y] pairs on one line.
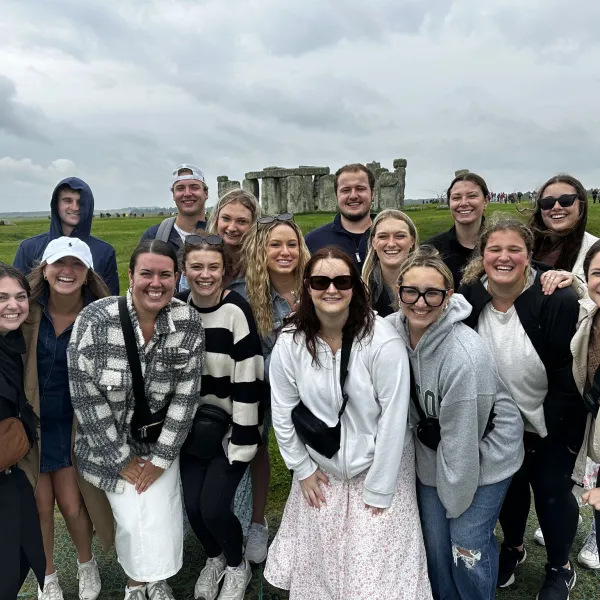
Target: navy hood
[[86, 209]]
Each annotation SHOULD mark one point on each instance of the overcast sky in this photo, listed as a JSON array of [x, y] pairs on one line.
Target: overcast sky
[[119, 93]]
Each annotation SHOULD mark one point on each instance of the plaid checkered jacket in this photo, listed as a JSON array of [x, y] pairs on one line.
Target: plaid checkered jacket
[[102, 392]]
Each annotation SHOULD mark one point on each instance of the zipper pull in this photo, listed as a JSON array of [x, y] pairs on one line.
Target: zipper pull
[[357, 257]]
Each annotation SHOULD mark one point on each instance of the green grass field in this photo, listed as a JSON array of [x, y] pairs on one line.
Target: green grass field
[[124, 234]]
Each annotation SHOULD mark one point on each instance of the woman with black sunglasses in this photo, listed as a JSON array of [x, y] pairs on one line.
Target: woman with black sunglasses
[[217, 454], [364, 539], [469, 431]]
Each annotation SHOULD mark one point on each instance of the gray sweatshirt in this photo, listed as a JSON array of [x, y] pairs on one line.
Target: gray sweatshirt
[[457, 382]]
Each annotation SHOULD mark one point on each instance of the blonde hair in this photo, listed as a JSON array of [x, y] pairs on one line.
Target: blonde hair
[[372, 259], [474, 268], [427, 256], [246, 199], [254, 266]]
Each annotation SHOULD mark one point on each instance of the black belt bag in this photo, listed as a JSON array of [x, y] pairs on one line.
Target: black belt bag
[[145, 425], [211, 423], [313, 431]]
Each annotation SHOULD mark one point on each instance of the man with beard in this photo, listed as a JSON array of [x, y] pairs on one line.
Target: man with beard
[[349, 230]]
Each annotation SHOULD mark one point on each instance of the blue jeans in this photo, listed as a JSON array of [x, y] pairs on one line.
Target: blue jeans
[[452, 575]]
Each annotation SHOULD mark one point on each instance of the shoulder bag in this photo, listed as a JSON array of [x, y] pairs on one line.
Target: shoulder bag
[[591, 400], [145, 426], [14, 442], [313, 431]]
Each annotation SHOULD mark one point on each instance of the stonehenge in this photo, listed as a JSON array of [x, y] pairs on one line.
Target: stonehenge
[[307, 189]]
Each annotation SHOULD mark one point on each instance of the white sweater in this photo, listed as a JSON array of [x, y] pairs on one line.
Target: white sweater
[[374, 425]]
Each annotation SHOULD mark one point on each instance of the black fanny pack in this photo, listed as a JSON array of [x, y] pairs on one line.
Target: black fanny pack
[[428, 428], [211, 423], [145, 425], [313, 431]]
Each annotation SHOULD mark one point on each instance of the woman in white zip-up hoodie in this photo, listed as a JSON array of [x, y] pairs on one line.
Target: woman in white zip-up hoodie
[[351, 525]]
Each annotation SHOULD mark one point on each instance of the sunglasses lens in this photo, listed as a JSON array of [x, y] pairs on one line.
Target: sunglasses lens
[[265, 220], [214, 240], [286, 217], [343, 282], [565, 200], [319, 282]]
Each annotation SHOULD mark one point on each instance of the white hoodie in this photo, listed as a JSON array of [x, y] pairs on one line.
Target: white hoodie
[[374, 425]]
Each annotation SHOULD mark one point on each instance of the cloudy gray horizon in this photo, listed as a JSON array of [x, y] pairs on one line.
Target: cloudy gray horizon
[[120, 93]]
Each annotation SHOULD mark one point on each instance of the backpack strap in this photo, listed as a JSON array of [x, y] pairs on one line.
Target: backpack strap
[[413, 394], [346, 348], [164, 229]]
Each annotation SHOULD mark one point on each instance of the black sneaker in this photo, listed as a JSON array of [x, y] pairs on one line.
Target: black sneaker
[[558, 583], [510, 559]]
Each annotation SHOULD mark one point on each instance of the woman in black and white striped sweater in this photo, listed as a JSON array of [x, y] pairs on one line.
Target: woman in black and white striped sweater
[[232, 380]]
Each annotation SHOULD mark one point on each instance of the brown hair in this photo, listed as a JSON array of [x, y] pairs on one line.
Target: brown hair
[[353, 168], [589, 257], [478, 180], [185, 250], [427, 256], [246, 199], [13, 273]]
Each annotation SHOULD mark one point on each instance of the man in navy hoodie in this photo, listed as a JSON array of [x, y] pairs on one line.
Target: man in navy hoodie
[[354, 189], [72, 211]]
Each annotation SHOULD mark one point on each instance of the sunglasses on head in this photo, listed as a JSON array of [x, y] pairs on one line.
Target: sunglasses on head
[[270, 219], [322, 282], [549, 201], [210, 239]]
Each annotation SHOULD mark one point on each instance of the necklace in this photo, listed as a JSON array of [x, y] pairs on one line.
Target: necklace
[[328, 337]]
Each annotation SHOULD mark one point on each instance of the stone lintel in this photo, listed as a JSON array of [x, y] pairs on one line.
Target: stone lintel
[[280, 172]]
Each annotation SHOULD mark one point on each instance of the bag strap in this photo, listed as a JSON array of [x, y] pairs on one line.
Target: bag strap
[[346, 348], [164, 229], [413, 394], [133, 358]]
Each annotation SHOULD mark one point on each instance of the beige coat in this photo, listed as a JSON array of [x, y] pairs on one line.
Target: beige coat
[[95, 500]]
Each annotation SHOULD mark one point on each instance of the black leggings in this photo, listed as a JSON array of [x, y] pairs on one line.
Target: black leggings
[[597, 517], [548, 466], [208, 490]]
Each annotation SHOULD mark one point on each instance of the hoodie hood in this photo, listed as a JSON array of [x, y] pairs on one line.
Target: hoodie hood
[[86, 209], [458, 310]]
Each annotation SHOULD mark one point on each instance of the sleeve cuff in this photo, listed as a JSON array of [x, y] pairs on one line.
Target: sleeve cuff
[[377, 500], [157, 461], [306, 468]]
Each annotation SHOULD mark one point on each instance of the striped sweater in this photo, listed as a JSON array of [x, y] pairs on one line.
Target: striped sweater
[[233, 372], [102, 392]]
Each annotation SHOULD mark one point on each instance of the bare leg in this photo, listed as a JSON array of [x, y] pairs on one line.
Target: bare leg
[[260, 469], [44, 498], [70, 503]]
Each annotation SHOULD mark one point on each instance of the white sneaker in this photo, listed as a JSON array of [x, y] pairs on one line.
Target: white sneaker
[[159, 590], [135, 593], [258, 541], [588, 556], [235, 582], [207, 586], [89, 580], [538, 536], [52, 591]]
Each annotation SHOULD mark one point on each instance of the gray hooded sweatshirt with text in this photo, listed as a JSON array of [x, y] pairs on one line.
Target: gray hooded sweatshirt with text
[[457, 382]]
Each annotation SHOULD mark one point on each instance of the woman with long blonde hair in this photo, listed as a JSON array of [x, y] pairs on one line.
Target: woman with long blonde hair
[[273, 259], [392, 239]]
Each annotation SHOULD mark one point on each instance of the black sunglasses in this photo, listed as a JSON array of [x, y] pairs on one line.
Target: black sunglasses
[[269, 219], [549, 201], [210, 239], [322, 283], [432, 296]]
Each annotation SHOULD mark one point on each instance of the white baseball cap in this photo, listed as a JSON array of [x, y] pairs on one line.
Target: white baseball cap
[[196, 173], [68, 246]]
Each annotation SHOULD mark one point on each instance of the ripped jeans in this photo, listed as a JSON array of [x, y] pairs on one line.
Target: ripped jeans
[[462, 553]]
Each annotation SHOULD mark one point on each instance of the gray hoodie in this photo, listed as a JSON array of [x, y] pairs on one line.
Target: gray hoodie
[[457, 382]]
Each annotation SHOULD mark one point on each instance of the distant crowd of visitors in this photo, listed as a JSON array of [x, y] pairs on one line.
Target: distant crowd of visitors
[[418, 393]]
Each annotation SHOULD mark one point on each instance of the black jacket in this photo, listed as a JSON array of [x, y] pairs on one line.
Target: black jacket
[[550, 323], [453, 253]]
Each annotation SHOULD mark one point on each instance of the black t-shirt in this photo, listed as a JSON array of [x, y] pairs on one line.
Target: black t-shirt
[[455, 255]]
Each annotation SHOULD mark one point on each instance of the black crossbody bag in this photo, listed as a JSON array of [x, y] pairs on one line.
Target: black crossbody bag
[[145, 425], [591, 397], [310, 429]]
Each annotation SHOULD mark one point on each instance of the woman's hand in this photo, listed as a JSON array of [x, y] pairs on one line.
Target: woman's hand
[[592, 498], [150, 473], [374, 509], [132, 470], [311, 490], [555, 279]]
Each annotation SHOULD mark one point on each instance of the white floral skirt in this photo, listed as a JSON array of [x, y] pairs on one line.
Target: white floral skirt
[[343, 552]]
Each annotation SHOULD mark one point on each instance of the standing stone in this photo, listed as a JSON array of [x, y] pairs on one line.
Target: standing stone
[[400, 171], [388, 191], [224, 185], [299, 194], [272, 201], [325, 193], [251, 186]]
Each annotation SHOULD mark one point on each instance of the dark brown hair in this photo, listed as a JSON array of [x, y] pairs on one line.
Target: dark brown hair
[[570, 242], [8, 271], [589, 257], [153, 247], [219, 248], [95, 285], [360, 318], [353, 168], [478, 180]]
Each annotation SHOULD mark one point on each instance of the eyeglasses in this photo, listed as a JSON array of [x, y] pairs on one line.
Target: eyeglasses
[[322, 283], [284, 217], [211, 239], [549, 201], [432, 296]]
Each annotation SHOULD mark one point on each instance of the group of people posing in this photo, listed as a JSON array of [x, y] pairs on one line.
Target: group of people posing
[[417, 393]]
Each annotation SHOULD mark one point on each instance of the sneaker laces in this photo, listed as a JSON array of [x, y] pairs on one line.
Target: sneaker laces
[[137, 594], [88, 576], [51, 591], [211, 573], [234, 580], [160, 591], [590, 544]]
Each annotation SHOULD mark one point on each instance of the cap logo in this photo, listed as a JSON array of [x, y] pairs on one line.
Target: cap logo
[[70, 245]]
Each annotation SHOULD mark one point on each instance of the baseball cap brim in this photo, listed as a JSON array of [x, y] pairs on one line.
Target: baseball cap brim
[[62, 253]]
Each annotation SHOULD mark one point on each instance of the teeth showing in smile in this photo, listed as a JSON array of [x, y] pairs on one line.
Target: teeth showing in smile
[[10, 316], [392, 252], [420, 313], [504, 268], [204, 284], [556, 217], [284, 263], [65, 279], [154, 295]]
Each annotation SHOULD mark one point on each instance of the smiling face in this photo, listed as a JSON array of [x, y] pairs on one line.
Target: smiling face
[[467, 202], [283, 250], [354, 196], [233, 222], [392, 242], [419, 315], [560, 219], [14, 305], [152, 283], [204, 272], [189, 196], [66, 276], [68, 208], [505, 258], [330, 302], [593, 279]]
